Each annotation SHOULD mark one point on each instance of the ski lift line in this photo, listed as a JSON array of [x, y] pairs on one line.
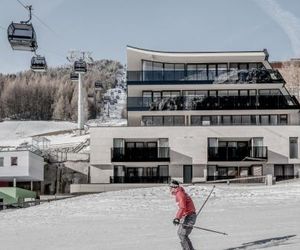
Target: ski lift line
[[51, 52], [22, 4], [39, 19], [46, 25]]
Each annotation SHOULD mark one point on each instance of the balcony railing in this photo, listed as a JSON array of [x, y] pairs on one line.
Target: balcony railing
[[237, 153], [212, 103], [142, 154], [205, 77], [140, 179]]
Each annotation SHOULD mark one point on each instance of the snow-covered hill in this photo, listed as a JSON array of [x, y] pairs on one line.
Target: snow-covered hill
[[13, 133], [255, 217]]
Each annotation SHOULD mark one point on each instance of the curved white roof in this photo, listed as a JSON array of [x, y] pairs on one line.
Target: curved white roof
[[136, 55]]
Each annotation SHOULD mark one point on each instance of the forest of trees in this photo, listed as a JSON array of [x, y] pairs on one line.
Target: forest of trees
[[290, 71], [52, 95]]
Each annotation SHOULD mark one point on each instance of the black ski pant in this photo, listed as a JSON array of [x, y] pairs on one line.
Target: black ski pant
[[184, 231]]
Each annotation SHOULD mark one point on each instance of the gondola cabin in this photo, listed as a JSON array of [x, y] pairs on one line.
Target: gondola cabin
[[80, 66], [98, 85], [74, 76], [21, 36], [38, 64]]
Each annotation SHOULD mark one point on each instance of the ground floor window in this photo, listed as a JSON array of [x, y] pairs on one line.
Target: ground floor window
[[215, 172], [284, 171], [153, 174]]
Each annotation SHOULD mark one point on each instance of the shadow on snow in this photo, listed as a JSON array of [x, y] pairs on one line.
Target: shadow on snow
[[264, 243]]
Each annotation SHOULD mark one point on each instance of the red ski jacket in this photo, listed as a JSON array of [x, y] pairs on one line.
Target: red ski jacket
[[185, 203]]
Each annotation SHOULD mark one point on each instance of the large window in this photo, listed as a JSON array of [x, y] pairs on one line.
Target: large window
[[192, 72], [169, 120], [198, 120], [222, 71], [202, 72], [293, 147], [157, 71], [283, 119], [212, 72], [163, 170]]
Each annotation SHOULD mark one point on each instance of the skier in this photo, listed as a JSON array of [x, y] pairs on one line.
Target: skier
[[186, 212]]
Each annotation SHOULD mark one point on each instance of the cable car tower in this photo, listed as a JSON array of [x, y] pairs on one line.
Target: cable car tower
[[80, 59]]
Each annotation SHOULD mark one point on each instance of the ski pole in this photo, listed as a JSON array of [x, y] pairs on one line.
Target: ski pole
[[205, 200], [205, 229]]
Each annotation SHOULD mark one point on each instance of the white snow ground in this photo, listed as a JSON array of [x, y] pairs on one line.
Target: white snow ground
[[255, 217]]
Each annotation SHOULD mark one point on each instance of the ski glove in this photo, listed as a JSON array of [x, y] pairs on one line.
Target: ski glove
[[176, 222]]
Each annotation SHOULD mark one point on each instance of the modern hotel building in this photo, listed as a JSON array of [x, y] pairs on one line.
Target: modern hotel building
[[199, 116]]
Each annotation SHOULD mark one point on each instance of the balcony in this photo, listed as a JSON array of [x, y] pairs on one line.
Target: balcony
[[212, 103], [237, 153], [140, 179], [204, 77], [142, 154]]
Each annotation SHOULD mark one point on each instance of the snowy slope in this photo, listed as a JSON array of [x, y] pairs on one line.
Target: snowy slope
[[255, 217], [112, 112], [12, 133]]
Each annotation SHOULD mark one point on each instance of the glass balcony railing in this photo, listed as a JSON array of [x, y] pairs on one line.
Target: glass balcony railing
[[205, 77], [237, 153], [143, 154], [212, 103]]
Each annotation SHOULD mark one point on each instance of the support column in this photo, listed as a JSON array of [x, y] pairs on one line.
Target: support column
[[31, 185], [80, 103], [15, 182]]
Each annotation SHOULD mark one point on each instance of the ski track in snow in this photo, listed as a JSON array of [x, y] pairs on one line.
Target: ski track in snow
[[255, 217]]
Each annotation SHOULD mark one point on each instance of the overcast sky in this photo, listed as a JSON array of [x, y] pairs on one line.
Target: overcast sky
[[105, 27]]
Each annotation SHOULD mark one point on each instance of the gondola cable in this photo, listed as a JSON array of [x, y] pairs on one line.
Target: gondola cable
[[39, 19]]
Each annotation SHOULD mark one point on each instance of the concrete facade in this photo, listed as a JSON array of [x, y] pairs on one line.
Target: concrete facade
[[189, 145]]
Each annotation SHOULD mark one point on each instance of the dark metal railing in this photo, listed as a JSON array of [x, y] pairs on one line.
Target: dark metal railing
[[237, 153], [180, 76], [212, 103], [140, 179], [140, 154]]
